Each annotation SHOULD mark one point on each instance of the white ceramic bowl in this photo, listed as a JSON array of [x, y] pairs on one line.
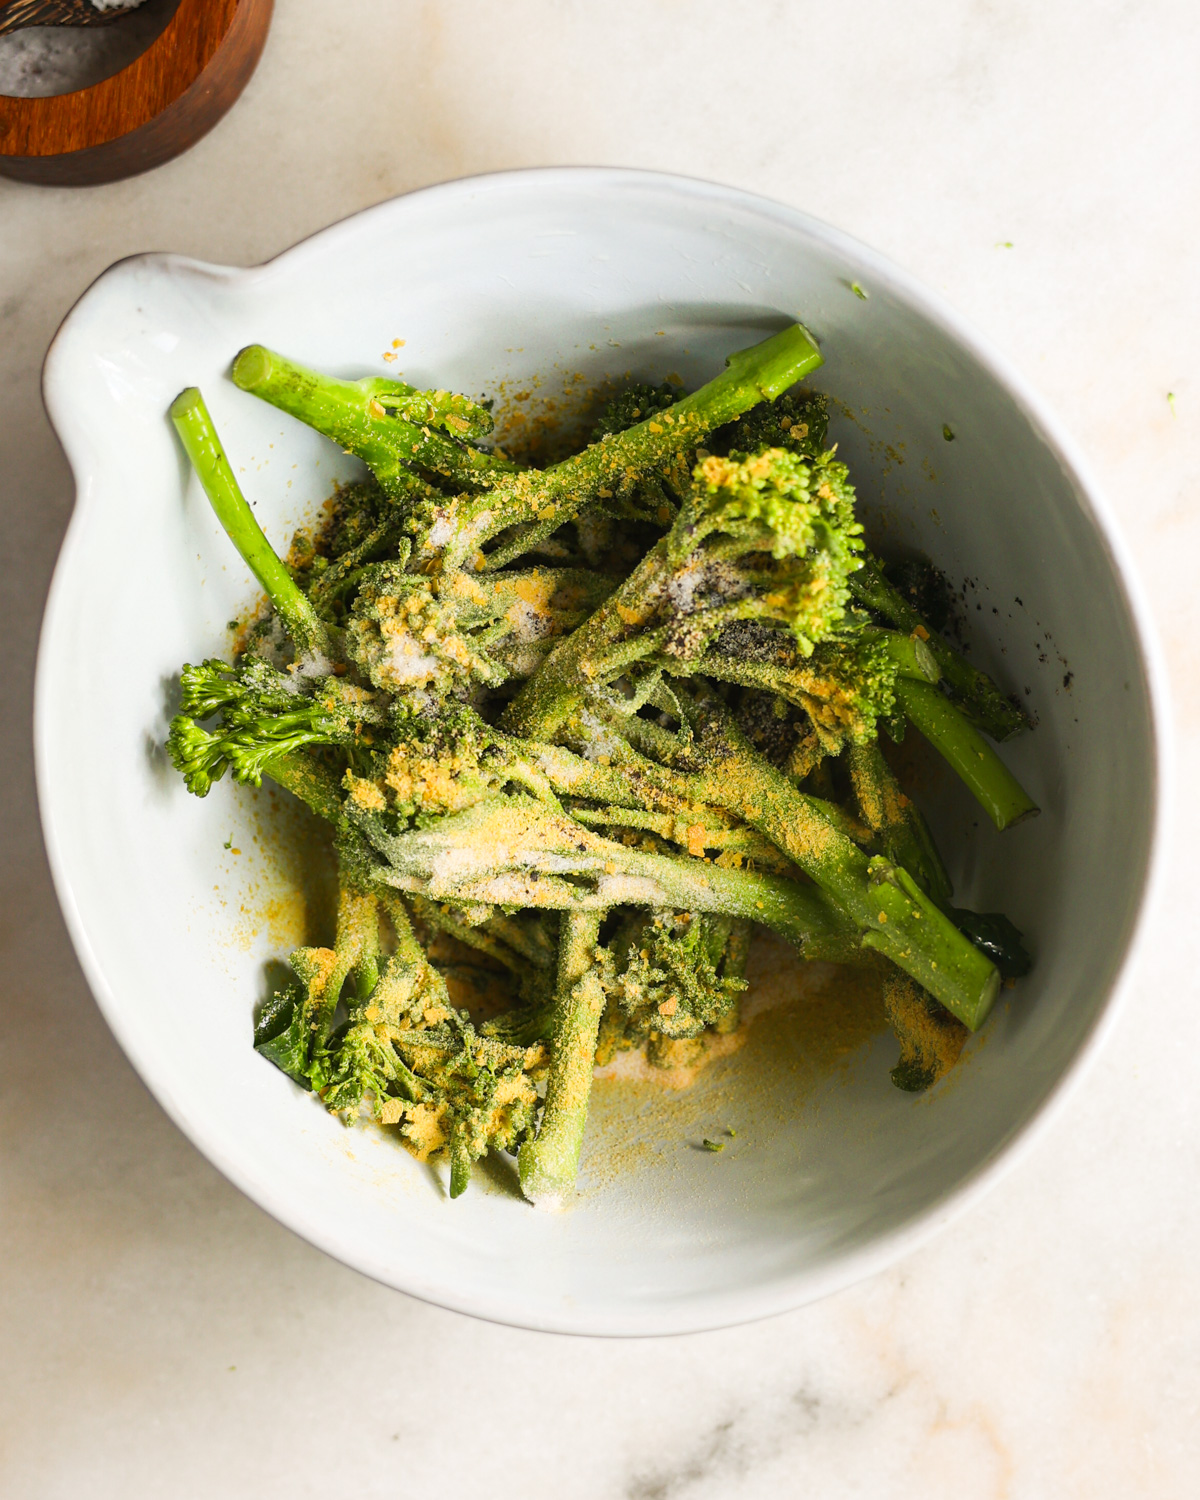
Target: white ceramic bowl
[[500, 280]]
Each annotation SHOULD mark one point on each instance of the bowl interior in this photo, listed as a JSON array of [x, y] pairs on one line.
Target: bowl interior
[[546, 283]]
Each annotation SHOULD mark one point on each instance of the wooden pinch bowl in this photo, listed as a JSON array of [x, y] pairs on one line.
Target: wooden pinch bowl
[[149, 112]]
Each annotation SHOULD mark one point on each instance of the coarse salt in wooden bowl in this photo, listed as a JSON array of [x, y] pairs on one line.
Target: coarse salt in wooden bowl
[[147, 113]]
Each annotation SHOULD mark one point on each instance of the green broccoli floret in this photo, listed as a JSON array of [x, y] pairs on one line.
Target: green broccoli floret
[[637, 403], [766, 538], [439, 761], [445, 632], [423, 1066], [405, 1054], [675, 982], [355, 511], [264, 714], [295, 1024], [798, 421], [363, 526]]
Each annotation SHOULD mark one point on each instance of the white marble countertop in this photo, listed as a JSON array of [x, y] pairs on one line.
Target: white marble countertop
[[1035, 163]]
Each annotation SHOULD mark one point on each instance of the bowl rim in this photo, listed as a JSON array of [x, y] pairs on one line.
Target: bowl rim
[[747, 1304]]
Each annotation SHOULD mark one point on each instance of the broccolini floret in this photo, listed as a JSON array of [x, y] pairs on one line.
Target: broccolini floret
[[765, 537], [405, 1053], [264, 714], [447, 631], [637, 403], [675, 980]]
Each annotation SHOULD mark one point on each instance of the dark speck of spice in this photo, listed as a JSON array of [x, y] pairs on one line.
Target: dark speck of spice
[[1068, 678]]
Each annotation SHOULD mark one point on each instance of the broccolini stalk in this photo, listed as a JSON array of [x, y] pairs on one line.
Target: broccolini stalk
[[314, 784], [634, 778], [981, 699], [541, 502], [768, 538], [203, 447], [931, 1039], [734, 842], [454, 532], [519, 943], [989, 780], [395, 429], [549, 1164], [445, 762], [516, 852], [893, 914], [905, 833]]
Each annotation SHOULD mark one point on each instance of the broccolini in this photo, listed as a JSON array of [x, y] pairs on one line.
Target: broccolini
[[595, 779]]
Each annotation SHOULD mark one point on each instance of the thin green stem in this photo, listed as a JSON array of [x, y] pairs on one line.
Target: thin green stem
[[981, 699], [514, 852], [897, 819], [307, 779], [881, 898], [803, 682], [358, 416], [949, 731], [556, 495], [549, 1164], [203, 447]]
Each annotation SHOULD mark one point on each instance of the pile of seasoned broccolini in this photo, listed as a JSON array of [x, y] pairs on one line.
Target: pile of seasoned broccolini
[[593, 721]]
